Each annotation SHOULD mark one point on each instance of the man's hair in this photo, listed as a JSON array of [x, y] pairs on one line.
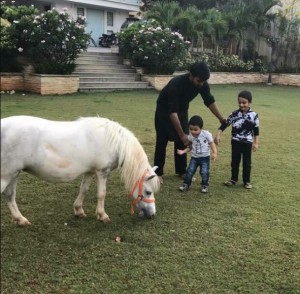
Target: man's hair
[[246, 95], [201, 70], [196, 120]]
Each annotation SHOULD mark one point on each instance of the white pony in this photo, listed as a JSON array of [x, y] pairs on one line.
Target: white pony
[[60, 151]]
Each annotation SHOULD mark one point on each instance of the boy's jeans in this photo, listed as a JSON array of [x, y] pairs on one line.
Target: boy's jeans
[[203, 163]]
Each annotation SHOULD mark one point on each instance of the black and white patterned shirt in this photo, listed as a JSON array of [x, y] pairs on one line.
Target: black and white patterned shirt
[[244, 125]]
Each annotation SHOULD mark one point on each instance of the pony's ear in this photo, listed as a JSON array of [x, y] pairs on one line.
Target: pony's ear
[[154, 168], [150, 177]]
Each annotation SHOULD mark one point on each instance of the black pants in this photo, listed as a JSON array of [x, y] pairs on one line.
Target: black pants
[[165, 133], [239, 150]]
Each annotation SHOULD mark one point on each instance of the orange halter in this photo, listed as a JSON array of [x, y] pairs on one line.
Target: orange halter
[[140, 196]]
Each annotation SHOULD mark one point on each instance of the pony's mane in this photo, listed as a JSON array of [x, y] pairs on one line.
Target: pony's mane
[[132, 159]]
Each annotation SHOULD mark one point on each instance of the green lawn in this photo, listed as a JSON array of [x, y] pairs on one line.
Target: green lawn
[[229, 241]]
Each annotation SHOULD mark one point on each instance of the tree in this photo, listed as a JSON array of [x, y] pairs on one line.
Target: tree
[[166, 13]]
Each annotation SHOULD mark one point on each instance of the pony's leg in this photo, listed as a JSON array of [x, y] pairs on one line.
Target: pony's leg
[[84, 187], [101, 193], [9, 190]]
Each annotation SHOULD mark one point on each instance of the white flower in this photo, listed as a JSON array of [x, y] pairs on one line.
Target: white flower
[[43, 41], [20, 49], [15, 21], [146, 57]]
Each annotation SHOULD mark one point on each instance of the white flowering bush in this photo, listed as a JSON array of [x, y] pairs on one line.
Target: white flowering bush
[[52, 40], [157, 50], [225, 63], [8, 46]]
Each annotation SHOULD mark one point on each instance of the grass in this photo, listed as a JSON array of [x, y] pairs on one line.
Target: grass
[[229, 241]]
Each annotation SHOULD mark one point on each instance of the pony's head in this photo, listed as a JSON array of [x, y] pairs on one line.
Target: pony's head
[[143, 194]]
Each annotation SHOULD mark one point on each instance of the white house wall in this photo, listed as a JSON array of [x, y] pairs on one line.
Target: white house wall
[[119, 8]]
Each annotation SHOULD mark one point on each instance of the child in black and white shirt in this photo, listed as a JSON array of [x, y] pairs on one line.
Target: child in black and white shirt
[[244, 138]]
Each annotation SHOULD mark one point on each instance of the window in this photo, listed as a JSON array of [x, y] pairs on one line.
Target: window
[[47, 7], [110, 19], [80, 11]]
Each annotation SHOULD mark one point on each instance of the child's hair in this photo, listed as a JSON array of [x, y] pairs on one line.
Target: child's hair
[[201, 70], [196, 120], [246, 95]]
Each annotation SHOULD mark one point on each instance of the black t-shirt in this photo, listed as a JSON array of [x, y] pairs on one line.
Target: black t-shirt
[[179, 92]]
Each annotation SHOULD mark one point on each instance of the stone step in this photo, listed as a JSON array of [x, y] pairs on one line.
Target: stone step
[[98, 61], [103, 67], [109, 84], [115, 88], [99, 57], [132, 78], [108, 74], [104, 72], [100, 71]]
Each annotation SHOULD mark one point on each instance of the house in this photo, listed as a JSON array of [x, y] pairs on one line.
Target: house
[[103, 17]]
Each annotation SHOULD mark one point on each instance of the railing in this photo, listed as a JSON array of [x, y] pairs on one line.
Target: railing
[[131, 2]]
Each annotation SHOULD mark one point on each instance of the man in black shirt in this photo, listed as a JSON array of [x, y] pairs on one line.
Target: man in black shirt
[[171, 115]]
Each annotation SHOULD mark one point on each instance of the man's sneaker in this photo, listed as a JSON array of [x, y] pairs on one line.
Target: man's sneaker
[[184, 187], [229, 183], [204, 189], [248, 186]]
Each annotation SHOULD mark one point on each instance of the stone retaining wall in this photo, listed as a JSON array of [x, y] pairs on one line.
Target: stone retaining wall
[[42, 84], [61, 84], [12, 81], [158, 82]]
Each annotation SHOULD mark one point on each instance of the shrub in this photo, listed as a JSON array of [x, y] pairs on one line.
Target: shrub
[[125, 39], [52, 40], [157, 50], [225, 63], [8, 45]]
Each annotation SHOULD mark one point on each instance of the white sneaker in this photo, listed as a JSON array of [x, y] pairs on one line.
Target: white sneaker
[[204, 189], [183, 187]]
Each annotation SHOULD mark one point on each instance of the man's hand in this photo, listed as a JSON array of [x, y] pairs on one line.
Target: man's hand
[[180, 152], [185, 140]]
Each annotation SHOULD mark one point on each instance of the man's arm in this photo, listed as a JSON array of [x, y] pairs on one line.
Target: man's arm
[[215, 110], [176, 123]]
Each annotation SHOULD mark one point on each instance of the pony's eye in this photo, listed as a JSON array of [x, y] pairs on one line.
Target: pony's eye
[[148, 193]]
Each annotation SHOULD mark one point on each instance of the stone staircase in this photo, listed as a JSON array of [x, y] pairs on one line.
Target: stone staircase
[[103, 71]]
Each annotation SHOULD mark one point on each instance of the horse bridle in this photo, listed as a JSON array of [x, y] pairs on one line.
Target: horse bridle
[[140, 197]]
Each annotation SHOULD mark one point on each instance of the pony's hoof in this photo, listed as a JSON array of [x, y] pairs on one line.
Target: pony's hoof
[[80, 215], [23, 222], [106, 220], [103, 218], [79, 212]]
